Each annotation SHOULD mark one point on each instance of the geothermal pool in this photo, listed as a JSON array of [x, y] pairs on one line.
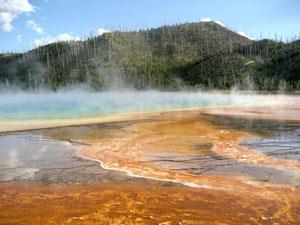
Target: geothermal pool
[[79, 104], [234, 162]]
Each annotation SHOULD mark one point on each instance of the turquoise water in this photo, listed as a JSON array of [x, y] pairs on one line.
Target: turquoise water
[[79, 104]]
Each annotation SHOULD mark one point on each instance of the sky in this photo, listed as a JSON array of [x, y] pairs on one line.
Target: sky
[[25, 24]]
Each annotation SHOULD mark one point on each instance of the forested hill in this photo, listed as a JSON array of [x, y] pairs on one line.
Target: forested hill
[[201, 55]]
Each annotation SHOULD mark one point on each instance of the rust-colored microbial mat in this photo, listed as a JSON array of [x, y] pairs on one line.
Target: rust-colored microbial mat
[[168, 168], [137, 203]]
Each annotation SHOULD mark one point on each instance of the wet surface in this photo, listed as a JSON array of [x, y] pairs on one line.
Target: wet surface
[[43, 173], [194, 154], [49, 155], [27, 156], [282, 144], [87, 134], [221, 166], [278, 139]]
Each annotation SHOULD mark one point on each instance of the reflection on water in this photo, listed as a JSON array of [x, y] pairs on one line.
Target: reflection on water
[[278, 139], [282, 144], [27, 156]]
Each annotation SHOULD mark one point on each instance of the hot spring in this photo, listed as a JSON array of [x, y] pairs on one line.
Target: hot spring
[[80, 104]]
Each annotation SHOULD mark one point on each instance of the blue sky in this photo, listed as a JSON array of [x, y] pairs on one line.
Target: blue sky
[[27, 23]]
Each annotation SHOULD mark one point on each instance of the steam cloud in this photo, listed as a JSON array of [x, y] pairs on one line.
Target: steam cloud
[[78, 103]]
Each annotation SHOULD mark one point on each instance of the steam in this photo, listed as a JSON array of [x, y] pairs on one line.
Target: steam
[[83, 104]]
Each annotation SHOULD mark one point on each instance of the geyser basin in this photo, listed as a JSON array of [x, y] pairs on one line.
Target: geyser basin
[[79, 104]]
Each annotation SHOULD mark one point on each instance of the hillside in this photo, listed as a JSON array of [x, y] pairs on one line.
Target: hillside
[[203, 54]]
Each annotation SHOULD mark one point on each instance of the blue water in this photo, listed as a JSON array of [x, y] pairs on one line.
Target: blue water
[[79, 104]]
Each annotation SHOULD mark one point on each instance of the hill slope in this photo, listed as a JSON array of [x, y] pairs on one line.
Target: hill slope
[[201, 54]]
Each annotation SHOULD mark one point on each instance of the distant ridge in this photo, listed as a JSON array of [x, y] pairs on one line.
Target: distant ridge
[[191, 55]]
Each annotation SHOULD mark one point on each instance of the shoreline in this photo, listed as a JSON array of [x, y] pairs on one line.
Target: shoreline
[[30, 125], [265, 103], [258, 112]]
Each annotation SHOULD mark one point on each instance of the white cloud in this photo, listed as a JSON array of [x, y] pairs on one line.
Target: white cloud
[[19, 38], [101, 31], [242, 33], [5, 21], [50, 39], [10, 10], [98, 32], [220, 23], [207, 19], [33, 25]]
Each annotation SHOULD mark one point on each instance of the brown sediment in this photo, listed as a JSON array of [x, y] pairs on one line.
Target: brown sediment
[[176, 133], [140, 203], [234, 151]]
